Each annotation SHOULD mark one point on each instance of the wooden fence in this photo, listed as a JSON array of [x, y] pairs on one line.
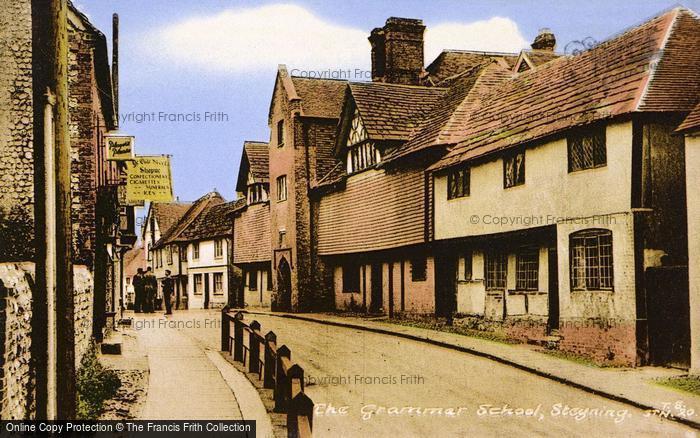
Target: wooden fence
[[273, 365]]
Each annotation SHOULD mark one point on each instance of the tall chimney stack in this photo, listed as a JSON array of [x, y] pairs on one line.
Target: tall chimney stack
[[397, 51]]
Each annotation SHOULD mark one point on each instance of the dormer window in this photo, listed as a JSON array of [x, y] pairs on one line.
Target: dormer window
[[256, 193], [362, 152]]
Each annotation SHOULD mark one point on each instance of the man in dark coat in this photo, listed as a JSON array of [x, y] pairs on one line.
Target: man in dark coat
[[168, 288], [150, 287], [138, 283]]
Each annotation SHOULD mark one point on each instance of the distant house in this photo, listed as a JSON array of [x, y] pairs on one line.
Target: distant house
[[160, 220], [171, 252], [208, 242], [252, 252]]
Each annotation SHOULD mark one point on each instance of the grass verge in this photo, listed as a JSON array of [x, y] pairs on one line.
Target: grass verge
[[95, 385], [456, 329], [689, 384]]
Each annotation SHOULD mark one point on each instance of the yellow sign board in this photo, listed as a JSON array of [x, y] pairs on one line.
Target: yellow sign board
[[120, 147], [148, 179]]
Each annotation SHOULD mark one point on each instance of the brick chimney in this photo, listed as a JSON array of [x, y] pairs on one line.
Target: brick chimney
[[397, 51], [544, 41]]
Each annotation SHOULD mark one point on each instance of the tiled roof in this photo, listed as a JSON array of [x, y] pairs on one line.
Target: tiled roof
[[167, 214], [174, 234], [539, 57], [258, 158], [215, 221], [134, 259], [649, 68], [454, 62], [390, 111], [692, 122], [320, 97], [444, 124]]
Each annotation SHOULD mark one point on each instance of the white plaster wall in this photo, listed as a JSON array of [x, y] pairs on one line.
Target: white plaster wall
[[549, 192]]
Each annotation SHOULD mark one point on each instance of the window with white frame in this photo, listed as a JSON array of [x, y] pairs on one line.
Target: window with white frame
[[591, 260], [218, 248], [257, 193], [362, 152], [282, 188], [170, 254], [496, 270], [218, 283], [527, 269], [195, 251], [197, 284], [467, 261]]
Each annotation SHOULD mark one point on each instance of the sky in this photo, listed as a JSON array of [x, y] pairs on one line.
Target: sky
[[196, 77]]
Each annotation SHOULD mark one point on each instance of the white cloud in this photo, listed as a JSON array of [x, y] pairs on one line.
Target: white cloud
[[255, 39], [497, 34]]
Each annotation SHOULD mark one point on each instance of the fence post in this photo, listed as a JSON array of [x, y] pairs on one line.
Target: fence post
[[225, 330], [295, 372], [254, 348], [270, 365], [300, 406], [238, 337], [281, 379]]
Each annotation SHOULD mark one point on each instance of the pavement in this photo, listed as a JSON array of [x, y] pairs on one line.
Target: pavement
[[188, 378], [632, 387]]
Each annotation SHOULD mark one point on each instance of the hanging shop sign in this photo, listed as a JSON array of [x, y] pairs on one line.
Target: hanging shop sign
[[148, 178]]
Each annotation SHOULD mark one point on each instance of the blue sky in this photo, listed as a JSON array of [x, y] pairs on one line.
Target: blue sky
[[189, 58]]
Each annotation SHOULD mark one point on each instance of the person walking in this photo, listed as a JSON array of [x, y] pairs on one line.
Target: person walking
[[150, 286], [138, 283], [168, 288]]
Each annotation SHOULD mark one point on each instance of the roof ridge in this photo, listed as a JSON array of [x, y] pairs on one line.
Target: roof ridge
[[319, 79], [479, 52], [390, 84]]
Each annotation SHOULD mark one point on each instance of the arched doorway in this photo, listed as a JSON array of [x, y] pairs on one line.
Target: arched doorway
[[284, 286]]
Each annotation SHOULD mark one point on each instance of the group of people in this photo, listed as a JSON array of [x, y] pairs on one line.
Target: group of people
[[146, 289]]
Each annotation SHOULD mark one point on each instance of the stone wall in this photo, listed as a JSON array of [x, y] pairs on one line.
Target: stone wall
[[15, 329], [83, 302], [16, 148], [18, 384]]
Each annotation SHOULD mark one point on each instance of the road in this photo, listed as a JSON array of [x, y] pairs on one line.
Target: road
[[352, 374]]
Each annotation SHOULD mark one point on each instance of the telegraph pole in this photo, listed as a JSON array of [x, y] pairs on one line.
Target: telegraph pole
[[65, 330]]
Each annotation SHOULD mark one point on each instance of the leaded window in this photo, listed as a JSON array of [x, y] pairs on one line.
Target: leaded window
[[496, 270], [591, 260], [587, 149], [527, 269]]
